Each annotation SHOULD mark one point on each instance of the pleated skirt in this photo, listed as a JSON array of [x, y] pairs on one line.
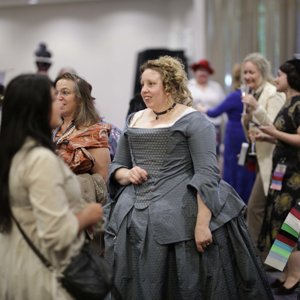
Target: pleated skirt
[[146, 270]]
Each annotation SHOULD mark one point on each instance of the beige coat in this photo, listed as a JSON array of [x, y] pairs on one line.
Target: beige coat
[[93, 188], [44, 196], [270, 102]]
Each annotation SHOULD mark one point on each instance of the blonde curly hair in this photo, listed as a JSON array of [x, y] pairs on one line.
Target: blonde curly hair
[[173, 76]]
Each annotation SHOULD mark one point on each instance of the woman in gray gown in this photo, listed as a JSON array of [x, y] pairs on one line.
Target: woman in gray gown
[[175, 229]]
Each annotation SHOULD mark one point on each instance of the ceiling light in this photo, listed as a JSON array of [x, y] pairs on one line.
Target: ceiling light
[[33, 2]]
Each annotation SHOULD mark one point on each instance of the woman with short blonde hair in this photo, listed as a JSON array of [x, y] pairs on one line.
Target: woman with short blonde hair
[[262, 106]]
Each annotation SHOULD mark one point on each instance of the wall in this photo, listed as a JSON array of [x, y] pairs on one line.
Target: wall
[[100, 40]]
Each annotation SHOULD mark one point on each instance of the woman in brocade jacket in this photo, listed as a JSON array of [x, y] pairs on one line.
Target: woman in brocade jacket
[[81, 140]]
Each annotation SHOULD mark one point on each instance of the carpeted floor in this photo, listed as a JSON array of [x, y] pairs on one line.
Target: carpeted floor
[[272, 276]]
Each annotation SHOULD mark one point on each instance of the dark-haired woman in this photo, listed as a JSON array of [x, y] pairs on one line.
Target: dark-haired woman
[[40, 191], [286, 134]]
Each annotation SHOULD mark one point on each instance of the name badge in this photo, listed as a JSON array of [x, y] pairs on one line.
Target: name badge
[[277, 177]]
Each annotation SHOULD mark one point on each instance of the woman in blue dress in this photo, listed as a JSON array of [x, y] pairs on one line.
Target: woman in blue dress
[[175, 229], [239, 177]]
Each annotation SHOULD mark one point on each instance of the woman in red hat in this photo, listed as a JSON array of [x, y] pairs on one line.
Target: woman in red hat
[[206, 92]]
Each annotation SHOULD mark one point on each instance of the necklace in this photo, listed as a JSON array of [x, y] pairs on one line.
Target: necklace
[[164, 112], [64, 134]]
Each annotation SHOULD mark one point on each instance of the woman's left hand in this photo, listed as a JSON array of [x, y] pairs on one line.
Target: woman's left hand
[[201, 108], [259, 136], [268, 129], [203, 237]]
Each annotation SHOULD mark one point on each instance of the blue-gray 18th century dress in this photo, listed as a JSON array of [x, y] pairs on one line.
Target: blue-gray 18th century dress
[[149, 238]]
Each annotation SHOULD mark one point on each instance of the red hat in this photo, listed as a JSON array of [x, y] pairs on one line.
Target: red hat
[[202, 64]]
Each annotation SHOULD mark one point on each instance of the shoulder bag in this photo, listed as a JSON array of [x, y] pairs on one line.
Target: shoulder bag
[[86, 277]]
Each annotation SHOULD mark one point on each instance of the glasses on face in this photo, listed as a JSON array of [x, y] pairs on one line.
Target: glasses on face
[[64, 93]]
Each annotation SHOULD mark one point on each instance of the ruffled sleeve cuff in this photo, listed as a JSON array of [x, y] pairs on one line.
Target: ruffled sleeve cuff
[[208, 191], [222, 200], [114, 187]]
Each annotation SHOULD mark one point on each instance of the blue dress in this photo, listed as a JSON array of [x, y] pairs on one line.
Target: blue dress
[[149, 238], [239, 177]]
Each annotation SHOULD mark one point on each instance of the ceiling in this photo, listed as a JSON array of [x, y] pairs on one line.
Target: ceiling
[[38, 2]]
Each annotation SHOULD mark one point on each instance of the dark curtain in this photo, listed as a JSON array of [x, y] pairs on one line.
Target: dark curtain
[[147, 54]]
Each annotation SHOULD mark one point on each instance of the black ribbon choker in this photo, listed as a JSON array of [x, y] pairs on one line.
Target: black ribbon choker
[[164, 112]]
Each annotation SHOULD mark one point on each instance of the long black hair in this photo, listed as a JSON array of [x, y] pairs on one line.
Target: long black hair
[[26, 112]]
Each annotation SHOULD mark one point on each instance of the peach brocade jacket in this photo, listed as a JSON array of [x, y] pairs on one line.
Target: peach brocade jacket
[[72, 146]]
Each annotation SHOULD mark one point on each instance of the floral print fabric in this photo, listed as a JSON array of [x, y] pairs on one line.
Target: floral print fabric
[[73, 144]]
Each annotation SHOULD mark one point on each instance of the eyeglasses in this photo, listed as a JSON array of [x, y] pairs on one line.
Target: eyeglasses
[[64, 93]]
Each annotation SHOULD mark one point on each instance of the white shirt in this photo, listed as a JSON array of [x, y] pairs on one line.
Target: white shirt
[[210, 96]]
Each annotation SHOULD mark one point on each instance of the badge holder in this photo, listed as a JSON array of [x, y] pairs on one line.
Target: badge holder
[[277, 176], [286, 240]]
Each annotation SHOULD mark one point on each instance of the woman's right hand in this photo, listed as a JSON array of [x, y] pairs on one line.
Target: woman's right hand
[[91, 214], [135, 175], [250, 101]]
